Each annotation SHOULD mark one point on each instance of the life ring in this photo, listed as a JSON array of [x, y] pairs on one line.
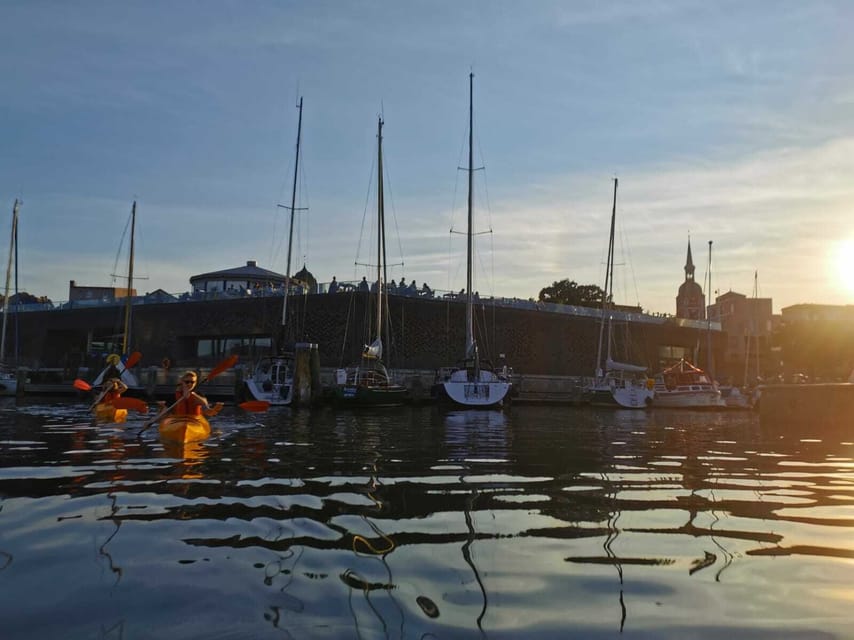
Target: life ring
[[166, 363]]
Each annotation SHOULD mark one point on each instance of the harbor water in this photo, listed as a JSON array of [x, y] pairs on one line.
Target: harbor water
[[419, 522]]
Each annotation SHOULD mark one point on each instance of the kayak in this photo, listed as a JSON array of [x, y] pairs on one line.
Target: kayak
[[184, 428], [105, 412]]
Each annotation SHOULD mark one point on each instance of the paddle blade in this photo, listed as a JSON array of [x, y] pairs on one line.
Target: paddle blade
[[256, 406], [131, 404], [133, 358], [82, 385], [228, 363]]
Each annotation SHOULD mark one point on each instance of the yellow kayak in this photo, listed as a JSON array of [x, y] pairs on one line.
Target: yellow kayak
[[105, 412], [184, 428]]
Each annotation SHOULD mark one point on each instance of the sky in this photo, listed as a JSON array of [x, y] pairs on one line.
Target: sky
[[728, 122]]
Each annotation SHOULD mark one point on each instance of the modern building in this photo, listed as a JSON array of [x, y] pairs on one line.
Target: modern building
[[96, 294]]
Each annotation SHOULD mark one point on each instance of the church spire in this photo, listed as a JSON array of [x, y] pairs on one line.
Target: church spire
[[689, 264]]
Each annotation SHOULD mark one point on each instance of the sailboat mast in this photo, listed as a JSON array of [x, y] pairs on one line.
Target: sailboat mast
[[381, 274], [710, 360], [755, 311], [608, 290], [293, 209], [753, 333], [12, 247], [129, 293], [470, 232]]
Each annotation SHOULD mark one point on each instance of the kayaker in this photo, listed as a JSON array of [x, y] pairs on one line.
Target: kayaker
[[189, 403], [114, 388]]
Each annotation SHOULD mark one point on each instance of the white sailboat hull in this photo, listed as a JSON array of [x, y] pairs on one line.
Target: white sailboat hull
[[277, 394], [272, 381], [709, 398], [685, 386], [486, 391], [626, 394], [8, 383]]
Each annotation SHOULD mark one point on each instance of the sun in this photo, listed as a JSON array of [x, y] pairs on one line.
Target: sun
[[843, 263]]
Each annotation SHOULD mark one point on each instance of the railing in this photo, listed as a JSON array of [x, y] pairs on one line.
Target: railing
[[350, 286]]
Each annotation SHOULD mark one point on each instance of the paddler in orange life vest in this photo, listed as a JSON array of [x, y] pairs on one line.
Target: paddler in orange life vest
[[189, 402], [114, 388]]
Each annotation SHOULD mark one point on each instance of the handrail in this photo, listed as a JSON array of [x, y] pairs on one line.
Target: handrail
[[438, 295]]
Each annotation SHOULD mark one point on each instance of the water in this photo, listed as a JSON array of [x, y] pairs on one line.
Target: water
[[541, 522]]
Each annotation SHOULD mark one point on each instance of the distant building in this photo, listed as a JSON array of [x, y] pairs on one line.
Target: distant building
[[817, 341], [749, 324], [818, 313], [307, 279], [690, 302], [238, 279], [97, 294], [248, 278], [159, 295]]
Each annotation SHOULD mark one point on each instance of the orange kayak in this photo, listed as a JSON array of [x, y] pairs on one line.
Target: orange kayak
[[184, 428], [105, 412]]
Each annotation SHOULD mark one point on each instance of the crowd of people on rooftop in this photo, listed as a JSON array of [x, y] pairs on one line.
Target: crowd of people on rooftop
[[403, 289]]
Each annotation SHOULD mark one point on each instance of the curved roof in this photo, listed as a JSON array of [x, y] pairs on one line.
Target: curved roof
[[251, 271], [306, 276]]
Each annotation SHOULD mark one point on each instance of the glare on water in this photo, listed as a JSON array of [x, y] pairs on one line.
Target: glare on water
[[535, 522]]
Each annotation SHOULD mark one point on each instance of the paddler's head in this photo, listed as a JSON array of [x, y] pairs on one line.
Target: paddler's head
[[188, 380]]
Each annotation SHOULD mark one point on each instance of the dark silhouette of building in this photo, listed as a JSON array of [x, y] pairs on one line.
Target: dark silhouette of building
[[690, 303]]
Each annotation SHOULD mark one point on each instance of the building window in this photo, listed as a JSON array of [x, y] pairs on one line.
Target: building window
[[250, 347]]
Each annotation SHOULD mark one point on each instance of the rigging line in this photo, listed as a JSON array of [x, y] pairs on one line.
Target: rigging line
[[368, 197], [347, 326], [626, 250], [303, 238], [490, 283], [387, 187], [114, 272], [488, 205], [277, 239]]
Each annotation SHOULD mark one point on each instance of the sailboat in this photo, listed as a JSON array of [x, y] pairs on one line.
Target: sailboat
[[473, 383], [119, 366], [8, 375], [272, 379], [616, 384], [368, 382]]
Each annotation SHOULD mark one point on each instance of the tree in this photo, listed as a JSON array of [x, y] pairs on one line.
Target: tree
[[570, 292]]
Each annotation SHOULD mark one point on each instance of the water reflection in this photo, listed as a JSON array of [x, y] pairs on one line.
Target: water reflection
[[415, 522]]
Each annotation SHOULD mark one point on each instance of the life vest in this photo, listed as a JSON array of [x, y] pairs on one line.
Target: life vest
[[191, 406]]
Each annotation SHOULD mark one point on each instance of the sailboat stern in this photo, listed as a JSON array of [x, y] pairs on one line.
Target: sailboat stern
[[484, 390]]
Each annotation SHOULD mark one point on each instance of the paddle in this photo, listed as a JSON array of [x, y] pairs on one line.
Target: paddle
[[133, 358], [255, 406], [132, 404], [222, 366]]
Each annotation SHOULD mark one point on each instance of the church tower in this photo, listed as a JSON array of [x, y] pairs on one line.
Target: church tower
[[690, 303]]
